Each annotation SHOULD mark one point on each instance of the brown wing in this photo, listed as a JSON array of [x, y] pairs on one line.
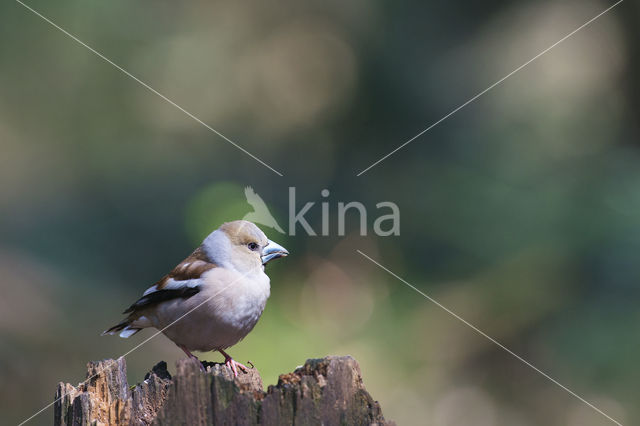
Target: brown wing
[[181, 282], [196, 264]]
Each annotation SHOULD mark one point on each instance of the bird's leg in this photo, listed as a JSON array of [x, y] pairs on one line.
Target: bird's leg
[[232, 364], [192, 356]]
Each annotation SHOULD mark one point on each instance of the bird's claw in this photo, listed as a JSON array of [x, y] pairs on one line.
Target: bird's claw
[[234, 365], [192, 356]]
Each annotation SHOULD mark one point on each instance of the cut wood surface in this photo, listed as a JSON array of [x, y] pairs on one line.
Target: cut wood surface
[[325, 391]]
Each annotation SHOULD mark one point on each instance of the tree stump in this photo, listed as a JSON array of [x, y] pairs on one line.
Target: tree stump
[[326, 391]]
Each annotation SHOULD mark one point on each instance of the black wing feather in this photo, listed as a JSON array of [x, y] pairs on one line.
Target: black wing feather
[[160, 296]]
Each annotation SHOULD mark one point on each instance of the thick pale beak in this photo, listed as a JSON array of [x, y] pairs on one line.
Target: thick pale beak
[[272, 251]]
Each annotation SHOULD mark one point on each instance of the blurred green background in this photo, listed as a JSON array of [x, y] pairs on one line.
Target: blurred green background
[[521, 212]]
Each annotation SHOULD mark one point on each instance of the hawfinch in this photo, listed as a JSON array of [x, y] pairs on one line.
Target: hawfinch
[[214, 297]]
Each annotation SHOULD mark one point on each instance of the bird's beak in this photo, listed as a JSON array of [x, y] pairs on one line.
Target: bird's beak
[[272, 251]]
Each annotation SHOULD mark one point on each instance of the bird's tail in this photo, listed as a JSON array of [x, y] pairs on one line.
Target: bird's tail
[[123, 328]]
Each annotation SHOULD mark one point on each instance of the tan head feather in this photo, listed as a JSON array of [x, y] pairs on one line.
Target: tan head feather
[[242, 232]]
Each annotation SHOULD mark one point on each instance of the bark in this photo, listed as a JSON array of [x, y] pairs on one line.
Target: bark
[[325, 391]]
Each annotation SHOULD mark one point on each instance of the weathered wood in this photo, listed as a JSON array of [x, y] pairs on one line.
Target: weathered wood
[[325, 391]]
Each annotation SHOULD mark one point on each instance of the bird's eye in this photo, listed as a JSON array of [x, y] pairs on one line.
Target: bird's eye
[[253, 246]]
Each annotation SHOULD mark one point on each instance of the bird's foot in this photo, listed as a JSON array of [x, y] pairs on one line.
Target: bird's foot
[[233, 364], [192, 356]]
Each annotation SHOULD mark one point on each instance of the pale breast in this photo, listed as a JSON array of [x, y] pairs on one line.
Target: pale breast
[[225, 310]]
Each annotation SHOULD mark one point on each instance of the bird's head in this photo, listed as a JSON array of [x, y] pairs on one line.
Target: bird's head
[[242, 245]]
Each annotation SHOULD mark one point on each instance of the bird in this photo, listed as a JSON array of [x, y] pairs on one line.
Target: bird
[[260, 213], [213, 298]]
